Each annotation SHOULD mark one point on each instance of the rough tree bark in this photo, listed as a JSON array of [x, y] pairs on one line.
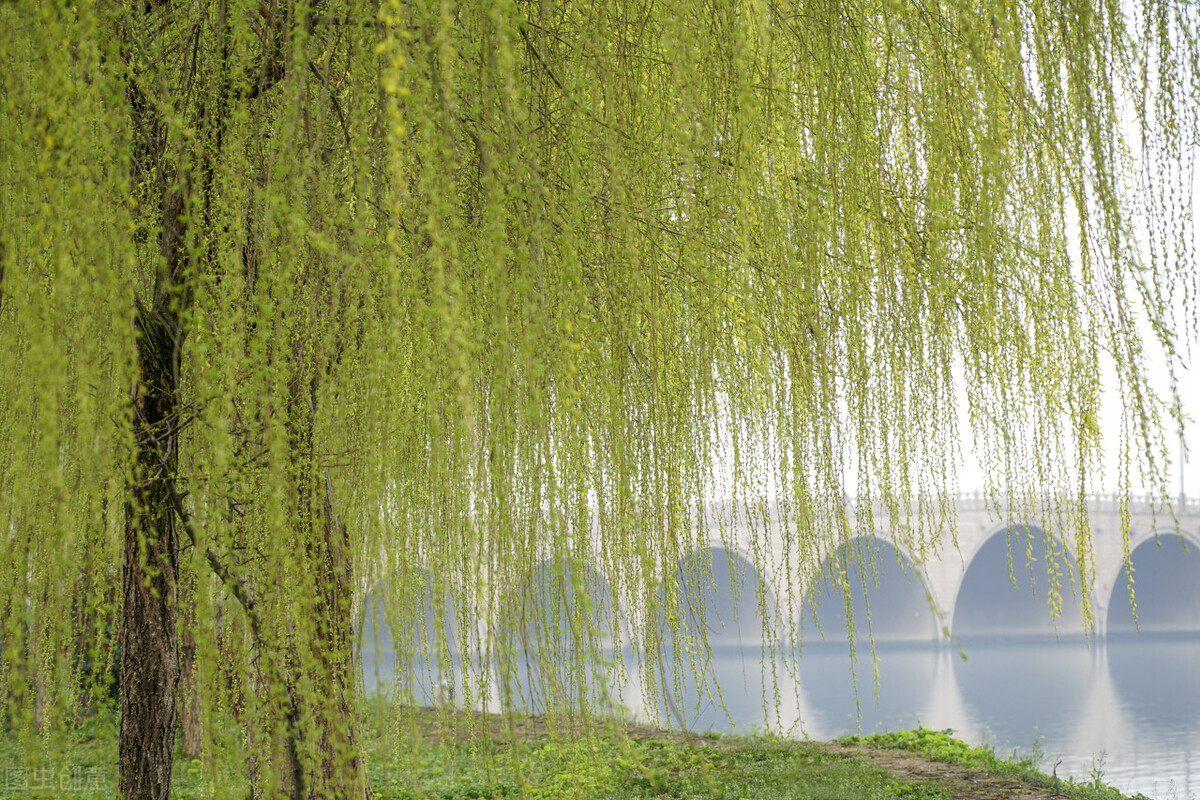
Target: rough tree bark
[[149, 633]]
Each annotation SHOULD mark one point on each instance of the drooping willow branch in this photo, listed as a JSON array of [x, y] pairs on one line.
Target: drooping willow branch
[[237, 587]]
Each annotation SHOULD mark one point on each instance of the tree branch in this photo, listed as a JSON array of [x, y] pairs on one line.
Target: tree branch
[[336, 105], [273, 67], [242, 594]]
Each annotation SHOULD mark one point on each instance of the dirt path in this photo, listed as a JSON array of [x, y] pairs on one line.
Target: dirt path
[[967, 783]]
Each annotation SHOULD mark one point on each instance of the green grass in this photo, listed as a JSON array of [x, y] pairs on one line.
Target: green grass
[[416, 753], [734, 768], [80, 763], [462, 756]]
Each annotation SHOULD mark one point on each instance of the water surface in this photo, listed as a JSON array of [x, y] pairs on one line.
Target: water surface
[[1127, 707]]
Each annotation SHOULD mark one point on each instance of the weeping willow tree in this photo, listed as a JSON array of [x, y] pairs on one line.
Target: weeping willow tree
[[296, 297]]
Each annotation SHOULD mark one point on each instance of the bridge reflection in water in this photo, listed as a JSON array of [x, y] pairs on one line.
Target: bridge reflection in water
[[967, 642]]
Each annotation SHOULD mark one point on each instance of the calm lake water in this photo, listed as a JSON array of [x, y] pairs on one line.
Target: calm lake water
[[1128, 707]]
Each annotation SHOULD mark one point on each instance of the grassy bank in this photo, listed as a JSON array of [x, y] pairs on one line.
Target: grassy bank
[[530, 759], [425, 753], [484, 756]]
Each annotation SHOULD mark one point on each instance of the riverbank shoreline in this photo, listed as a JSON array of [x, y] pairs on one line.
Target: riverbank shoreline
[[550, 757], [445, 753]]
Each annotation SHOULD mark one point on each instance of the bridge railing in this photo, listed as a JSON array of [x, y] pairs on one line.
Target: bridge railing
[[1107, 502]]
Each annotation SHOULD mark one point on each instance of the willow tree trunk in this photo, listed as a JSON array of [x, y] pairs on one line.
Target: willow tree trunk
[[149, 626], [149, 635]]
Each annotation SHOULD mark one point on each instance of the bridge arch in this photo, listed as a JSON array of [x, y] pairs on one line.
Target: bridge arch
[[1166, 575], [407, 637], [888, 601], [717, 611], [1011, 577], [720, 590], [574, 590], [552, 634]]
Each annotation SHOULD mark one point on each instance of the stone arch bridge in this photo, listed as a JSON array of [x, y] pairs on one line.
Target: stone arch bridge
[[996, 574]]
